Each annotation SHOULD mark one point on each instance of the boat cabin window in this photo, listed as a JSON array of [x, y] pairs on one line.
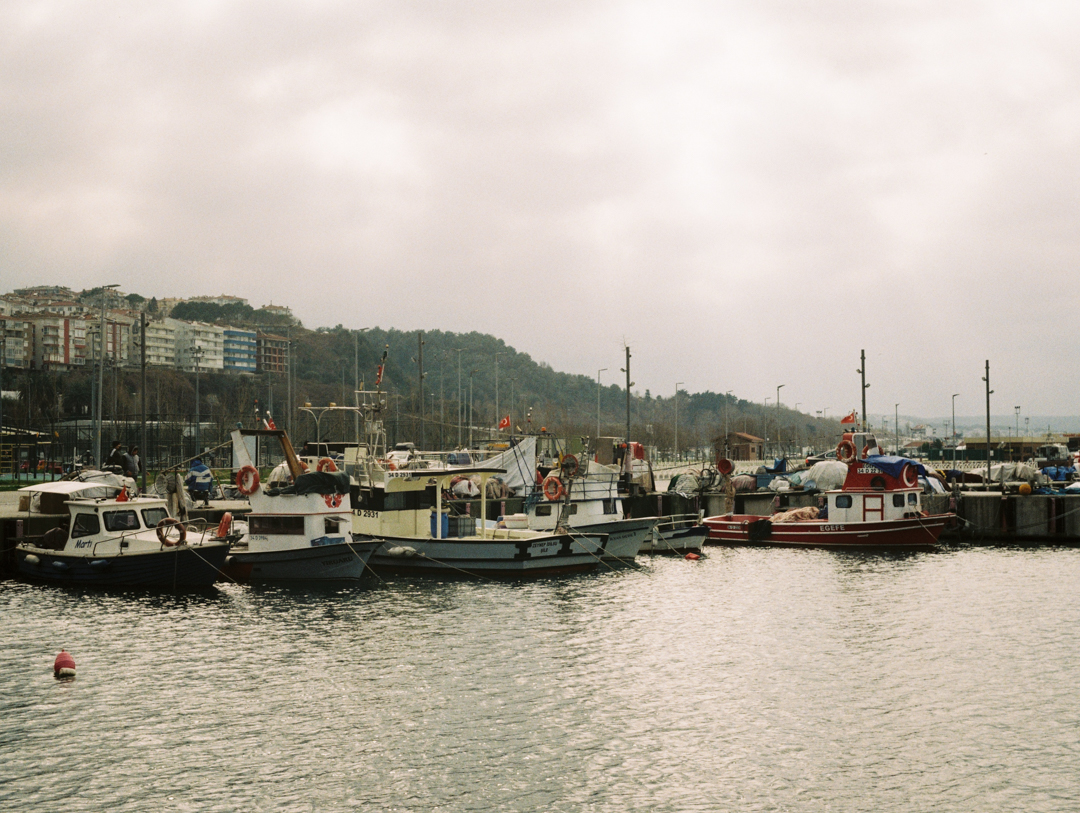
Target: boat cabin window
[[121, 521], [609, 507], [152, 516], [843, 501], [913, 498], [898, 500], [85, 525], [543, 510], [276, 525], [332, 525]]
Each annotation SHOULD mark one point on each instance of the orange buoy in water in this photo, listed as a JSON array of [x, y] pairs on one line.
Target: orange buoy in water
[[693, 557], [64, 665]]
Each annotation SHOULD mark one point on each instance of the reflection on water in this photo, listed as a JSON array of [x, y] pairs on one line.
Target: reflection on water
[[755, 679]]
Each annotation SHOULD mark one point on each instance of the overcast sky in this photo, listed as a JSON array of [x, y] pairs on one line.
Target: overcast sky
[[745, 192]]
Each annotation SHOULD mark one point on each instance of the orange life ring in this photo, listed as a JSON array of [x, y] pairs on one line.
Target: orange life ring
[[724, 466], [247, 480], [332, 500], [570, 465], [224, 526], [553, 488], [326, 464], [163, 529], [866, 450], [845, 451]]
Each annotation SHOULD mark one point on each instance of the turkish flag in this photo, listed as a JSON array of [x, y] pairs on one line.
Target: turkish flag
[[505, 423], [848, 418]]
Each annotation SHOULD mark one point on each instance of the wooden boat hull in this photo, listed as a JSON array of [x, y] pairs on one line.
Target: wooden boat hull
[[346, 560], [496, 558], [913, 533], [182, 566]]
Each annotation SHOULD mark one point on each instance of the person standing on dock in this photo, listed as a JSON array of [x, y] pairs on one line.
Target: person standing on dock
[[199, 481]]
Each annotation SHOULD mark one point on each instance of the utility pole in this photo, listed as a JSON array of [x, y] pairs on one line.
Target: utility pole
[[420, 361], [196, 355], [602, 369], [142, 386], [677, 383], [498, 416], [101, 379], [629, 384], [862, 372], [779, 446], [989, 391], [896, 419], [458, 351]]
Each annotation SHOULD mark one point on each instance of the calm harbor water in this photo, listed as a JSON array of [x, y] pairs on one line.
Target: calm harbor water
[[771, 680]]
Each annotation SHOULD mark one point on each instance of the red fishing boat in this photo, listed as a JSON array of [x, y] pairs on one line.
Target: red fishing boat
[[878, 507]]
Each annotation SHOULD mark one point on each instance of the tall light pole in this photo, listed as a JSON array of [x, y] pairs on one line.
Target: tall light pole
[[896, 420], [513, 381], [196, 355], [101, 378], [797, 444], [458, 351], [766, 419], [471, 372], [498, 417], [989, 392], [677, 383], [779, 449], [862, 372], [954, 426], [727, 411], [629, 384], [1018, 425], [602, 369]]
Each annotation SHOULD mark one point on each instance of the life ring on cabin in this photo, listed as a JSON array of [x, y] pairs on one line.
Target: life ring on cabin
[[866, 450], [326, 464], [332, 500], [247, 480], [908, 476], [166, 525], [553, 488], [724, 466], [845, 452], [224, 526], [570, 465]]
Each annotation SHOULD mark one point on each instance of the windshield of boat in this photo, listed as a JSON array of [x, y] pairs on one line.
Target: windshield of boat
[[85, 525], [121, 520], [152, 516]]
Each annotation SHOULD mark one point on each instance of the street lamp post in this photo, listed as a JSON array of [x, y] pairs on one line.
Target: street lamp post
[[727, 410], [101, 377], [896, 425], [1018, 427], [602, 369], [471, 372], [778, 445], [989, 392], [954, 426], [196, 355], [458, 351], [677, 383], [498, 417]]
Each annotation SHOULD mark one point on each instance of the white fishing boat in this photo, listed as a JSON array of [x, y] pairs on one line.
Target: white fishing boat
[[123, 540], [584, 496], [301, 531], [408, 510]]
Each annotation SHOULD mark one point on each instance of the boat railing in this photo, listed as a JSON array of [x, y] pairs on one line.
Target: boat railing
[[676, 521]]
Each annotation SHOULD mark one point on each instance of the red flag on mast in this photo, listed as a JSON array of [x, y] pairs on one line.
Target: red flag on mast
[[505, 423], [848, 418]]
